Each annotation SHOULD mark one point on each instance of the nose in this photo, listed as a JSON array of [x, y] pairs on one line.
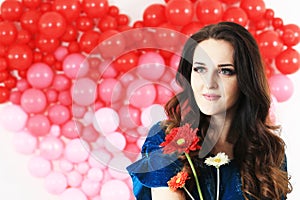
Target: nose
[[211, 81]]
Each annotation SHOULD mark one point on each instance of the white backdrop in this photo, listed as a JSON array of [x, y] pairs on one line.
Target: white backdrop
[[16, 183]]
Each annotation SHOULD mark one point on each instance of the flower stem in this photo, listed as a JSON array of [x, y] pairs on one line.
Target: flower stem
[[188, 193], [195, 175], [218, 183]]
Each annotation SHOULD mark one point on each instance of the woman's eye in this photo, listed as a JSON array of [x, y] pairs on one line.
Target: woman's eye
[[199, 69], [227, 71]]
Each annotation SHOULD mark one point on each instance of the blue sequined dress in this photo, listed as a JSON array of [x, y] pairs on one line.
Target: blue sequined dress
[[155, 169]]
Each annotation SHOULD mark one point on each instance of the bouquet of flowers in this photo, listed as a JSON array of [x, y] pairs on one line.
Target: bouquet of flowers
[[183, 140]]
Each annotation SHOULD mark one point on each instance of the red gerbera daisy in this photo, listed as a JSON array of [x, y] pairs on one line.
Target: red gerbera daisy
[[178, 181], [181, 140]]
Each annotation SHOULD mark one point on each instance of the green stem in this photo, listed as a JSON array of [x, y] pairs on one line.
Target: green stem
[[218, 183], [195, 175]]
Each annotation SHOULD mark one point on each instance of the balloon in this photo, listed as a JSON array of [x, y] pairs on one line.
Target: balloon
[[52, 24], [19, 56], [106, 120], [121, 190], [110, 90], [107, 23], [84, 92], [47, 44], [60, 53], [55, 183], [191, 28], [122, 20], [82, 167], [126, 62], [32, 4], [151, 66], [281, 87], [288, 61], [51, 147], [76, 151], [8, 32], [61, 82], [236, 14], [70, 9], [24, 142], [71, 129], [95, 174], [84, 23], [74, 178], [75, 65], [291, 34], [38, 125], [11, 10], [269, 43], [73, 194], [114, 142], [13, 118], [40, 75], [90, 188], [29, 20], [152, 115], [88, 41], [255, 9], [154, 15], [95, 8], [209, 11], [179, 12], [39, 166], [65, 165], [129, 117], [117, 167], [33, 101]]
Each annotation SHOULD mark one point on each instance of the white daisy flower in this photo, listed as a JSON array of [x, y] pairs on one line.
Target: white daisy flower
[[218, 160]]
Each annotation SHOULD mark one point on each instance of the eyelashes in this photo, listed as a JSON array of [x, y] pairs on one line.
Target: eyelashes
[[221, 70]]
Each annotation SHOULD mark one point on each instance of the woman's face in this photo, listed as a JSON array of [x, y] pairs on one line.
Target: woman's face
[[213, 78]]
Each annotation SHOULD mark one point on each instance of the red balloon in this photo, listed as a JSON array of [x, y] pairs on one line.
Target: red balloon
[[19, 56], [52, 24], [3, 64], [269, 43], [84, 23], [108, 23], [95, 8], [32, 4], [23, 37], [191, 28], [126, 62], [8, 32], [4, 94], [154, 15], [230, 1], [70, 34], [46, 44], [255, 9], [209, 11], [179, 12], [10, 82], [287, 62], [166, 36], [70, 9], [291, 34], [11, 10], [113, 11], [277, 22], [122, 20], [29, 20], [111, 44], [269, 14], [236, 14], [88, 41], [3, 75]]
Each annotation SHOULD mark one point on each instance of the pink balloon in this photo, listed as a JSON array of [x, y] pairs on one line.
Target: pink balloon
[[151, 66], [76, 151], [119, 188], [39, 166], [75, 65], [78, 111], [65, 165], [107, 70], [55, 183], [152, 115], [58, 114], [141, 94], [89, 134], [51, 147], [73, 194], [61, 82], [110, 90], [84, 92], [33, 101], [71, 129], [40, 75], [83, 168], [95, 174], [60, 53], [106, 120], [74, 178], [24, 142], [65, 98], [164, 94], [129, 117], [90, 188], [174, 61], [13, 117], [117, 167], [22, 84], [51, 95], [281, 87], [38, 125], [100, 158], [115, 142]]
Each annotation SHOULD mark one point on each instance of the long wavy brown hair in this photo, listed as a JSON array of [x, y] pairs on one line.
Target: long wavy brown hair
[[258, 149]]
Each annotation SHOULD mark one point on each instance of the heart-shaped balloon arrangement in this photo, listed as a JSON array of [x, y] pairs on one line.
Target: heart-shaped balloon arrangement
[[82, 85]]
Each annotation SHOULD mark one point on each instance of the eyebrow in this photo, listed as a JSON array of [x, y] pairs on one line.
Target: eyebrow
[[220, 65]]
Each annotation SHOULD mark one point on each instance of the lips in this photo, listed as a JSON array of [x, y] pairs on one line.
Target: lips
[[211, 97]]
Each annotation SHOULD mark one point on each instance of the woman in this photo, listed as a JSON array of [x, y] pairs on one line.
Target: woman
[[226, 96]]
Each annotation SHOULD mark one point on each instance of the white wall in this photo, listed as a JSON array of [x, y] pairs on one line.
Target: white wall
[[16, 183]]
